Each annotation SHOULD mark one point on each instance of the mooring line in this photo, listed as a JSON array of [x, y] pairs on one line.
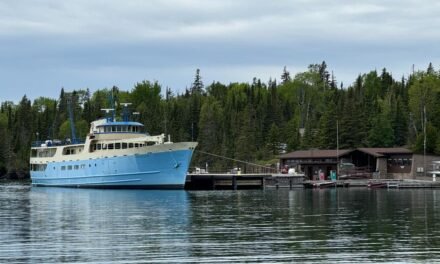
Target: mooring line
[[242, 161]]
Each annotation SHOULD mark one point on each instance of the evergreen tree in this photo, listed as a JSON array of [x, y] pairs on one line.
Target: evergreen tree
[[285, 77], [197, 85], [274, 139], [211, 132]]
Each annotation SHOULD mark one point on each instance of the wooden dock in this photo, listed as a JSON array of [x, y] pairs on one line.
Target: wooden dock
[[325, 184], [284, 181], [230, 181], [403, 184], [225, 181]]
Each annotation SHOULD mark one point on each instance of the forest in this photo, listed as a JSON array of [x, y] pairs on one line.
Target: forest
[[253, 122]]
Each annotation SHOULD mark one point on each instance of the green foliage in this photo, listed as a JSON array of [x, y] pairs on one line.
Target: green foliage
[[245, 121], [274, 139]]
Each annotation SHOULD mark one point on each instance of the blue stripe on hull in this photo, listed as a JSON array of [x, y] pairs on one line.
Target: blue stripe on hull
[[151, 170]]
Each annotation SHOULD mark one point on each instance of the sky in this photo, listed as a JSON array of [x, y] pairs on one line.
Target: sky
[[78, 44]]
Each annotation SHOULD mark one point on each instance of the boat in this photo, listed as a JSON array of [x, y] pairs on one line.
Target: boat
[[115, 154], [377, 184]]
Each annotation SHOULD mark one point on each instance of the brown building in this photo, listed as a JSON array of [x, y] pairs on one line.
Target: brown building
[[363, 162]]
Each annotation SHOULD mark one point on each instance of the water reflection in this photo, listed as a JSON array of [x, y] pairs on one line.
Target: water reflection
[[53, 225], [86, 225]]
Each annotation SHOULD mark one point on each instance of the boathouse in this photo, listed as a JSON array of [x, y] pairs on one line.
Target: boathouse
[[353, 163]]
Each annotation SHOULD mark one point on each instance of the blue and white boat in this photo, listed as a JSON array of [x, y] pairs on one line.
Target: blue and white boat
[[115, 154]]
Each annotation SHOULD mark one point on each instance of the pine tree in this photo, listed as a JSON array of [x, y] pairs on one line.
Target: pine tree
[[197, 85], [285, 77], [274, 139]]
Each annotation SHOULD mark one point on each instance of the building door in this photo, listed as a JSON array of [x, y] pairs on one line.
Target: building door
[[310, 172], [327, 173]]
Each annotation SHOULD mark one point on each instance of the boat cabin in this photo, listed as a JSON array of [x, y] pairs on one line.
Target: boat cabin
[[119, 127]]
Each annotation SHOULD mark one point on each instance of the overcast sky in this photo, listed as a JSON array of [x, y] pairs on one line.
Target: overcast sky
[[49, 44]]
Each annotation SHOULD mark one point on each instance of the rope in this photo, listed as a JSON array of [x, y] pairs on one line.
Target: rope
[[241, 161]]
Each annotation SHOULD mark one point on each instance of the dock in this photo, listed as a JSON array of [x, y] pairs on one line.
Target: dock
[[225, 181], [231, 181], [403, 184]]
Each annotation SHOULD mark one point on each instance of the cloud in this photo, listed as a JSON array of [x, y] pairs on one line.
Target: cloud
[[97, 43]]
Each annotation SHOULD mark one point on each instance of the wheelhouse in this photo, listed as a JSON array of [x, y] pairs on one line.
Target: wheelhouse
[[120, 127]]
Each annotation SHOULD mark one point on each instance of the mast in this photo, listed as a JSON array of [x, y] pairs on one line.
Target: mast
[[337, 148], [72, 121], [126, 112]]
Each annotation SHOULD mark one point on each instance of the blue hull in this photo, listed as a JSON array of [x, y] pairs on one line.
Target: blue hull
[[151, 170]]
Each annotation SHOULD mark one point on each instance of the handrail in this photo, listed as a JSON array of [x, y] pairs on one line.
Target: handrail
[[39, 143]]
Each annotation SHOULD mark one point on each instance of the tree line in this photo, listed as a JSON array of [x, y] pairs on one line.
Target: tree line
[[252, 122]]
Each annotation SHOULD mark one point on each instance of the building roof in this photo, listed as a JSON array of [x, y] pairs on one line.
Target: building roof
[[315, 153], [379, 152], [333, 153]]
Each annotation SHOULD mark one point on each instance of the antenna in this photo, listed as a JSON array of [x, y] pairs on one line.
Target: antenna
[[108, 114]]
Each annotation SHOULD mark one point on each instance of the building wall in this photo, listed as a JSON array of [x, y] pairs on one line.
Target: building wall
[[312, 171], [382, 167], [418, 163]]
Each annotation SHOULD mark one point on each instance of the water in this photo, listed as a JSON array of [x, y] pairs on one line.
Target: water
[[56, 225]]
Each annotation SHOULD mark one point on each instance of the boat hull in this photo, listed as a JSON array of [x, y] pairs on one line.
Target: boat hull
[[158, 170]]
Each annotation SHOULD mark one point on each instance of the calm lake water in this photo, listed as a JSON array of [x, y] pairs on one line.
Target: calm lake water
[[56, 225]]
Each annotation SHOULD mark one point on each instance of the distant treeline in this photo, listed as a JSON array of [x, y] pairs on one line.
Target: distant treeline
[[245, 121]]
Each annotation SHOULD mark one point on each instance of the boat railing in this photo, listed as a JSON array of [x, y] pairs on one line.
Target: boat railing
[[54, 143]]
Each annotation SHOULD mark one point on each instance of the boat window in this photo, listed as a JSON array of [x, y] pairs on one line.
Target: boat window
[[110, 146], [118, 128], [83, 166], [98, 146], [104, 146], [124, 145], [117, 145], [130, 145], [113, 129], [136, 145], [76, 167], [107, 129], [63, 167], [69, 167], [38, 167]]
